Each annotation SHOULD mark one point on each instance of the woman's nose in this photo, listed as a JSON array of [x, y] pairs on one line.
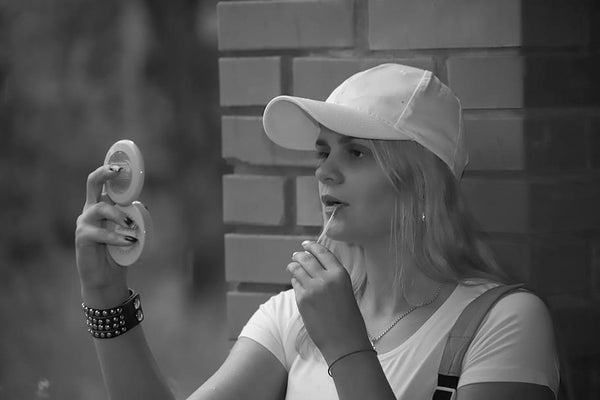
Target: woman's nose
[[327, 172]]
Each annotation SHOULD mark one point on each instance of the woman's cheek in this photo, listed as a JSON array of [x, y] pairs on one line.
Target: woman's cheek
[[366, 220]]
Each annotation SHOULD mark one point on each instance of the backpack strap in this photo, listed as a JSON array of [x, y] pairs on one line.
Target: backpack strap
[[460, 337]]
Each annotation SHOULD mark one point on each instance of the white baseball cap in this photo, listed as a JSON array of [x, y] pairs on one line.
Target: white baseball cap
[[389, 101]]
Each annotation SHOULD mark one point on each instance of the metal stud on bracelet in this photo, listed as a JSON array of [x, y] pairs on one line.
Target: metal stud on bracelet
[[112, 322]]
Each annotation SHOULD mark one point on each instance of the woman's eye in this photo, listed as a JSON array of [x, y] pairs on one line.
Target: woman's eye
[[357, 153], [321, 155]]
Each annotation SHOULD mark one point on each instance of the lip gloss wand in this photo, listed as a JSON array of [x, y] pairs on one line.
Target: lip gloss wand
[[326, 227]]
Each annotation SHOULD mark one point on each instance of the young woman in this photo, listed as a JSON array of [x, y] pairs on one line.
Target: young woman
[[372, 301]]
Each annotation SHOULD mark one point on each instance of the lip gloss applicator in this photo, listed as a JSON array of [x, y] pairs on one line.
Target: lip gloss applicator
[[326, 227]]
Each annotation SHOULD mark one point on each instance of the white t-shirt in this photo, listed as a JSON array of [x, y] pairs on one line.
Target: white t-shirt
[[515, 343]]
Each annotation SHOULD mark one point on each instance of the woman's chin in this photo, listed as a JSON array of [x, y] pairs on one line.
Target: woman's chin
[[341, 231], [338, 234], [351, 237]]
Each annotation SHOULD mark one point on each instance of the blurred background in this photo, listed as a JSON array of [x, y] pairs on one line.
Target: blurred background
[[76, 76]]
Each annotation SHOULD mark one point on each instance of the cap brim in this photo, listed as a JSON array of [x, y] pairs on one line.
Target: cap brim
[[294, 122]]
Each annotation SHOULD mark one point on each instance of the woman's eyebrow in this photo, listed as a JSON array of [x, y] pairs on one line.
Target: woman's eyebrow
[[341, 140]]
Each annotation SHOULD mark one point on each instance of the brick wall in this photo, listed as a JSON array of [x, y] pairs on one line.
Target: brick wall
[[524, 71]]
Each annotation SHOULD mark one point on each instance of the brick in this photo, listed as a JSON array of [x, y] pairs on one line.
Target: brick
[[488, 82], [561, 265], [240, 307], [427, 24], [252, 25], [514, 257], [498, 205], [244, 140], [315, 78], [550, 264], [308, 212], [257, 200], [513, 142], [533, 81], [495, 143], [555, 144], [250, 81], [260, 258], [565, 204], [543, 205], [579, 330], [554, 23], [562, 81], [418, 24]]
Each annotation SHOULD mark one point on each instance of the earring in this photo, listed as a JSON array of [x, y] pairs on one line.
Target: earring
[[423, 217]]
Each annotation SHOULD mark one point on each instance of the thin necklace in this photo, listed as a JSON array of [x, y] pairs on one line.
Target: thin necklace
[[375, 339]]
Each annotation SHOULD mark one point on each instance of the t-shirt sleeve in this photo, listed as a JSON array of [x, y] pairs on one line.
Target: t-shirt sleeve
[[270, 326], [515, 343]]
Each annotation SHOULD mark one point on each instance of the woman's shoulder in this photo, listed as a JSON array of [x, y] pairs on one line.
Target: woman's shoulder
[[520, 302], [519, 317], [524, 308], [285, 298], [514, 343], [522, 305], [281, 306]]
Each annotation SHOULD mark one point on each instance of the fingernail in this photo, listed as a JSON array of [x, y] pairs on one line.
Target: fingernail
[[306, 243], [115, 168], [131, 239], [130, 223]]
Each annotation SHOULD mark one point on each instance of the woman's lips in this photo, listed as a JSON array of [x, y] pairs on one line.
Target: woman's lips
[[331, 201], [331, 208]]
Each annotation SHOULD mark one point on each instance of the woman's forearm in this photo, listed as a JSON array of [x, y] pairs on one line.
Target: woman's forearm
[[359, 376], [129, 369], [128, 366]]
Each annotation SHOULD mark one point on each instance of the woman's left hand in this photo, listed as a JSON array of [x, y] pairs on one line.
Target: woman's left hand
[[326, 302]]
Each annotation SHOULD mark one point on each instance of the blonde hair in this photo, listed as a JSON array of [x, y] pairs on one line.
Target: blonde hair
[[446, 245], [430, 224]]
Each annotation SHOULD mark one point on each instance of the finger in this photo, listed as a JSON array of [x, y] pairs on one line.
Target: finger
[[325, 258], [309, 263], [102, 211], [95, 235], [298, 272], [105, 198], [295, 284], [298, 288], [96, 181]]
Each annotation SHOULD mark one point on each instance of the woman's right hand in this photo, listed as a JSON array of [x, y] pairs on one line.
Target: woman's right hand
[[103, 282]]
